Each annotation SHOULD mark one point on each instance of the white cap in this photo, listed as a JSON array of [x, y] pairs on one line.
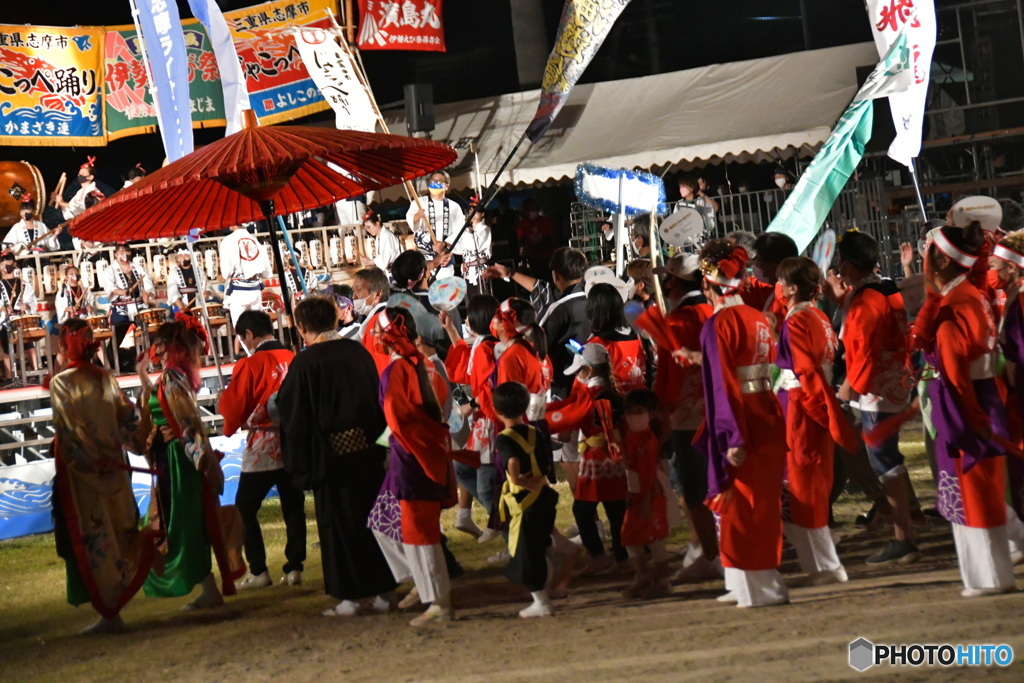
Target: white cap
[[985, 210], [682, 266], [617, 283], [592, 354]]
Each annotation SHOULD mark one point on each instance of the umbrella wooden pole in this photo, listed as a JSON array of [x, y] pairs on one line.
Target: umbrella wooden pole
[[206, 317], [267, 206]]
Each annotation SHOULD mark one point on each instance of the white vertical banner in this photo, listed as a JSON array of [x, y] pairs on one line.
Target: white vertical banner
[[888, 18], [334, 71], [236, 95]]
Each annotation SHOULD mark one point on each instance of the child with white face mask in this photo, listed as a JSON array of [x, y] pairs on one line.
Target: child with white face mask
[[646, 522]]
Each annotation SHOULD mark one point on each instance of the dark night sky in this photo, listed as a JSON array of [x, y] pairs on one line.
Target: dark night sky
[[481, 61]]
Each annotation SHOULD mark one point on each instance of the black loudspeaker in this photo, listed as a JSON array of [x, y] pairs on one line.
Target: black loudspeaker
[[419, 107]]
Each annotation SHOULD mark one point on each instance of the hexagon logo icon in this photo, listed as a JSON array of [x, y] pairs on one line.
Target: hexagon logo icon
[[862, 654]]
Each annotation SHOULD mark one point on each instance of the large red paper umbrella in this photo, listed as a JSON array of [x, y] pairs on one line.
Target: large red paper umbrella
[[259, 172]]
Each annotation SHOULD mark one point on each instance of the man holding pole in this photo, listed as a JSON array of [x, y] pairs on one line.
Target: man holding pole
[[435, 221]]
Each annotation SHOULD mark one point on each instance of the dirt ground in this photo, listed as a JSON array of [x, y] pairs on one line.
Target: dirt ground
[[277, 632]]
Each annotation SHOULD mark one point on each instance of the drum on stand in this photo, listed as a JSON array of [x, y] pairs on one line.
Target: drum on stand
[[24, 323], [150, 317], [97, 322]]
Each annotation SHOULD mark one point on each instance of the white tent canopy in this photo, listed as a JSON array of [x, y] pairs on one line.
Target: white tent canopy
[[742, 111]]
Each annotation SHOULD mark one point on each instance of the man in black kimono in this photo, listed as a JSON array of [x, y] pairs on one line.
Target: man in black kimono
[[330, 420]]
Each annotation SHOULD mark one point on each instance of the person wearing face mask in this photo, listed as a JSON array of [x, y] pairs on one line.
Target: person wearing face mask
[[244, 404], [645, 525], [15, 299], [184, 283], [594, 408], [130, 290], [388, 246], [75, 300], [85, 184], [330, 419], [639, 240], [782, 179], [28, 230], [370, 292], [957, 333], [435, 221]]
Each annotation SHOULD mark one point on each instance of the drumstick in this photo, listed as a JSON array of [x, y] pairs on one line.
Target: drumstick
[[60, 188], [45, 235]]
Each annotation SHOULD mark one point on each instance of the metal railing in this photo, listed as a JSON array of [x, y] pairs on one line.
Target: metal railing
[[861, 205]]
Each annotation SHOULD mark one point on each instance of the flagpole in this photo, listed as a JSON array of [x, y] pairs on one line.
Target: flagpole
[[488, 195], [348, 45], [620, 229], [144, 52], [655, 248], [917, 189]]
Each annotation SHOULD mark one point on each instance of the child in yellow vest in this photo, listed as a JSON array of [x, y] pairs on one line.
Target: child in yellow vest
[[527, 502]]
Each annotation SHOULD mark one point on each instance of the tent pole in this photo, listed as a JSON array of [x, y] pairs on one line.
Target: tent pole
[[267, 205], [620, 229]]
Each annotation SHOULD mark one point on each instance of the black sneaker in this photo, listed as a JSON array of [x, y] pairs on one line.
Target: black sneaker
[[866, 518], [897, 551]]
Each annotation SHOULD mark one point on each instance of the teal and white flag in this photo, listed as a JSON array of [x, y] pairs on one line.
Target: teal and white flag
[[807, 207]]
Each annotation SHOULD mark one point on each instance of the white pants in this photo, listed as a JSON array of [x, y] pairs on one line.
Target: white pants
[[570, 451], [1014, 531], [984, 557], [424, 565], [756, 587], [241, 300], [814, 548]]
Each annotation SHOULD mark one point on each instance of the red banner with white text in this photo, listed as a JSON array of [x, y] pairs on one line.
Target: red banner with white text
[[401, 25]]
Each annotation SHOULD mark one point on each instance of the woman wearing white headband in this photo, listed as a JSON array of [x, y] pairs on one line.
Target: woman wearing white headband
[[958, 337]]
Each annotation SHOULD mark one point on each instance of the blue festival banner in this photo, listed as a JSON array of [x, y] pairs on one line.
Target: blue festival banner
[[164, 42]]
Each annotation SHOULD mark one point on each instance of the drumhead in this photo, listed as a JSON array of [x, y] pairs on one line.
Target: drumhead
[[683, 228]]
